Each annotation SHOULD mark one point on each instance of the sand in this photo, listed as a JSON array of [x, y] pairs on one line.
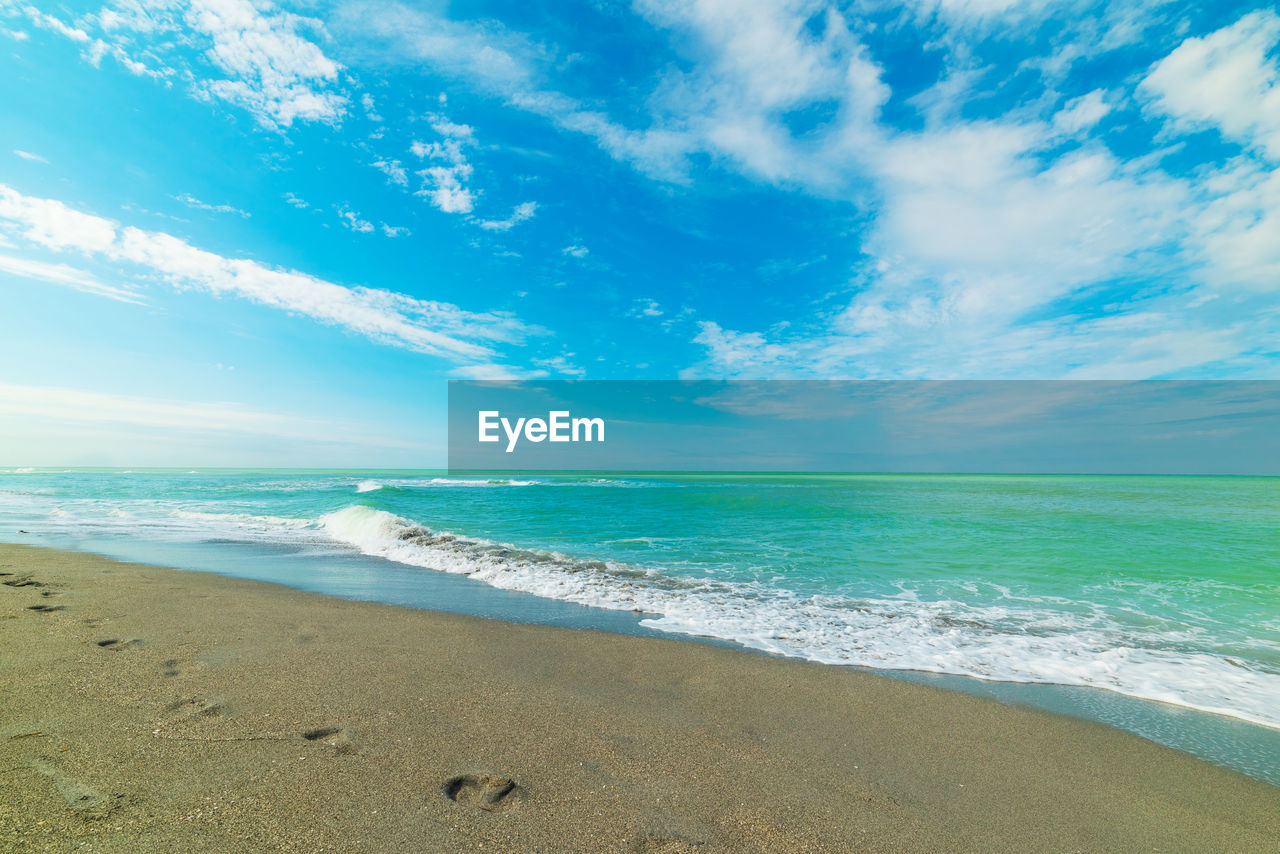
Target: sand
[[148, 709]]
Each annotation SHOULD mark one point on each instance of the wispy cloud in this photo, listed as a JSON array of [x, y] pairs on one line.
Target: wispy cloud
[[192, 202], [646, 308], [55, 25], [394, 171], [70, 277], [140, 416], [497, 61], [352, 220], [27, 155], [67, 404], [255, 56], [522, 212], [425, 326]]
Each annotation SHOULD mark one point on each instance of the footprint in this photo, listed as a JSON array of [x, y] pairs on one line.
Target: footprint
[[195, 707], [339, 738], [488, 792], [22, 581], [79, 797], [45, 609], [115, 644], [171, 667]]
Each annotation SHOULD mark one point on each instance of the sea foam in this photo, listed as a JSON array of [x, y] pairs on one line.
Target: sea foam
[[1022, 641]]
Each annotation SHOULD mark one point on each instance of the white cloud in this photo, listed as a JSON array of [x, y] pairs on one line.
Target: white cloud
[[560, 366], [393, 170], [1082, 113], [61, 274], [395, 230], [49, 22], [445, 185], [988, 259], [506, 64], [575, 251], [1225, 80], [496, 372], [721, 99], [260, 58], [352, 220], [647, 308], [366, 101], [300, 204], [973, 209], [424, 326], [192, 202], [452, 131], [27, 155], [275, 73], [54, 225], [1237, 227], [522, 212]]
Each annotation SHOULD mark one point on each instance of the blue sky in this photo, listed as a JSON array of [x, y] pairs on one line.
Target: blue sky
[[240, 232]]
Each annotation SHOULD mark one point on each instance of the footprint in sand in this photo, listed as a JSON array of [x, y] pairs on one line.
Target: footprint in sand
[[339, 738], [115, 644], [195, 707], [79, 797], [46, 609], [488, 792], [22, 581]]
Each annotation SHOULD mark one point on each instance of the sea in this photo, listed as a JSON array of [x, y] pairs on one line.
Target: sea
[[1149, 603]]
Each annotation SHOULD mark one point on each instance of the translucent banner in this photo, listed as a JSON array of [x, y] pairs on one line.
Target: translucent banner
[[1149, 427]]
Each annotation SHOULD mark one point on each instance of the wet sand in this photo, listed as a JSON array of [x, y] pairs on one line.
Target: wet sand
[[147, 709]]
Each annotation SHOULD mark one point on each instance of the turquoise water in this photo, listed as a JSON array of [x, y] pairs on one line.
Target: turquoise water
[[1162, 589]]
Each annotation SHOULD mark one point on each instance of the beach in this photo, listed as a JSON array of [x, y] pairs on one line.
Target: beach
[[150, 709]]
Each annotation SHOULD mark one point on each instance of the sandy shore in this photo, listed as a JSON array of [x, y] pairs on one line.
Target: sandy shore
[[146, 709]]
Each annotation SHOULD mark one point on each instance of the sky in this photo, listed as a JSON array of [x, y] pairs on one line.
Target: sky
[[250, 233]]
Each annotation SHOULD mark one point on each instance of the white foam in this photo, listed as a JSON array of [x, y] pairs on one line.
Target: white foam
[[368, 486], [1023, 641], [1017, 639]]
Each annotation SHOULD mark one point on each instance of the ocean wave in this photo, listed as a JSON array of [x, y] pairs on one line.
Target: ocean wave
[[1012, 636], [1014, 642]]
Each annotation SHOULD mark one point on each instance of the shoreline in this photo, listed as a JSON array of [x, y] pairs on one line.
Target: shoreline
[[228, 714]]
